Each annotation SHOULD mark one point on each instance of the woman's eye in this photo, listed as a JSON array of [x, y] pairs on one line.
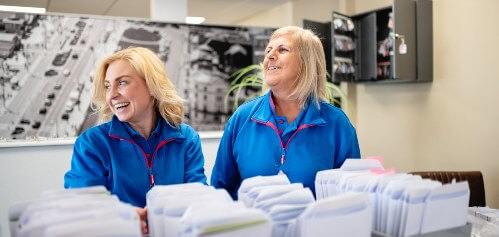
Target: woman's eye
[[107, 87], [122, 83], [283, 50]]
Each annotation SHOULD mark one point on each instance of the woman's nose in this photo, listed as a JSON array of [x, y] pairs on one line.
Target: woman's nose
[[271, 55], [112, 92]]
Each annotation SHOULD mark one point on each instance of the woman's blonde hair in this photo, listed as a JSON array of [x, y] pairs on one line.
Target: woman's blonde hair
[[311, 79], [149, 67]]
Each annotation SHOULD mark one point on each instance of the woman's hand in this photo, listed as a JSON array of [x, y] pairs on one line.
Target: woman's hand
[[142, 212]]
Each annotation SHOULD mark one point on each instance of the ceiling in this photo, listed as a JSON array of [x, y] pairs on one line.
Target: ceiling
[[229, 11], [215, 11]]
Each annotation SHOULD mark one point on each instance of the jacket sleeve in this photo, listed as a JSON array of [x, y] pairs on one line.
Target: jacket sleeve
[[87, 168], [225, 173], [194, 160], [349, 145]]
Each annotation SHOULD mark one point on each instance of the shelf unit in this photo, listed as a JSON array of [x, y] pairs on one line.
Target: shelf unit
[[369, 47]]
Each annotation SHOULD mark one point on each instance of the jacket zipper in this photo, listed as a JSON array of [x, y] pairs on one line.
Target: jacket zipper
[[283, 147], [149, 165]]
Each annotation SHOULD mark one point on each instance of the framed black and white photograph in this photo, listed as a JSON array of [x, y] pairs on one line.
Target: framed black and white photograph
[[47, 64]]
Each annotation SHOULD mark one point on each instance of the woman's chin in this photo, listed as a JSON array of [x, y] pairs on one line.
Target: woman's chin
[[122, 117], [271, 83]]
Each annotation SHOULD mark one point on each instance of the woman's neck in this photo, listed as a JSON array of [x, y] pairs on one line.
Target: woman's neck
[[146, 126], [286, 107]]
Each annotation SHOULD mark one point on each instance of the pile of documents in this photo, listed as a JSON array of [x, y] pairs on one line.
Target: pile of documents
[[194, 209], [403, 204], [74, 212], [354, 200], [485, 221], [295, 213], [274, 195], [345, 214]]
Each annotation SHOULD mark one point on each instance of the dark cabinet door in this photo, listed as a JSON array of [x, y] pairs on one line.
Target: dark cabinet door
[[404, 64], [366, 47], [323, 31]]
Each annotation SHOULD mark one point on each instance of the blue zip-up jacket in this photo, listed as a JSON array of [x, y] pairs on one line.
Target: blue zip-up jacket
[[251, 145], [107, 155]]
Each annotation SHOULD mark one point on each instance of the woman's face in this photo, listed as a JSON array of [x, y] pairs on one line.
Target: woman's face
[[127, 94], [281, 63]]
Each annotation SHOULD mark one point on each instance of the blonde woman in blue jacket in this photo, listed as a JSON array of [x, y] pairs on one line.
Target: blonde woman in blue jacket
[[291, 128], [143, 141]]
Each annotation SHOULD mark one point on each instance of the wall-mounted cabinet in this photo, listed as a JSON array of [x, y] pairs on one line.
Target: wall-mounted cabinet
[[392, 44]]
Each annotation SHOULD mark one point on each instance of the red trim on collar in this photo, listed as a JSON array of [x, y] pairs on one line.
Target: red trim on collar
[[149, 165], [284, 147]]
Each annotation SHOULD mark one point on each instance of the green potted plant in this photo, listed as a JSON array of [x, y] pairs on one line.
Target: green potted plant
[[251, 77]]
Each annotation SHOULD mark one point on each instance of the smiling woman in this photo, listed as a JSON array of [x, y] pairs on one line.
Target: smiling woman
[[142, 141], [292, 129]]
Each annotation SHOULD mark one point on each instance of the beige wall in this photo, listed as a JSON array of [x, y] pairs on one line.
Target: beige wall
[[316, 10], [451, 123], [293, 13], [277, 16], [359, 6]]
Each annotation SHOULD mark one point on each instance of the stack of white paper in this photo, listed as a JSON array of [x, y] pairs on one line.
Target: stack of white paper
[[403, 204], [258, 181], [94, 227], [18, 208], [61, 213], [361, 164], [331, 182], [260, 193], [224, 220], [167, 204], [346, 214], [274, 195], [485, 221], [446, 207]]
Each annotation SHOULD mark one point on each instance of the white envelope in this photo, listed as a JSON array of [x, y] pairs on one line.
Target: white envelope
[[299, 196], [162, 190], [446, 207], [361, 164], [95, 227], [99, 189], [249, 183], [378, 206], [393, 203], [167, 210], [347, 177], [360, 183], [39, 221], [35, 214], [16, 209], [393, 189], [273, 191], [259, 193], [286, 212], [331, 183], [321, 181], [234, 220], [159, 192], [346, 214], [413, 202], [172, 214]]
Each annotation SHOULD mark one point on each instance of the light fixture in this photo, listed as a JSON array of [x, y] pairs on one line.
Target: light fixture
[[37, 10], [194, 19]]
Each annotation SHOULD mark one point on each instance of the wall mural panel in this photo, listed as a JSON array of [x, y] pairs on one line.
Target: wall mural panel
[[47, 64]]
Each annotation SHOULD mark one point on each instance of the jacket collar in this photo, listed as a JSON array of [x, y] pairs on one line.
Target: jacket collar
[[312, 114], [118, 129]]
